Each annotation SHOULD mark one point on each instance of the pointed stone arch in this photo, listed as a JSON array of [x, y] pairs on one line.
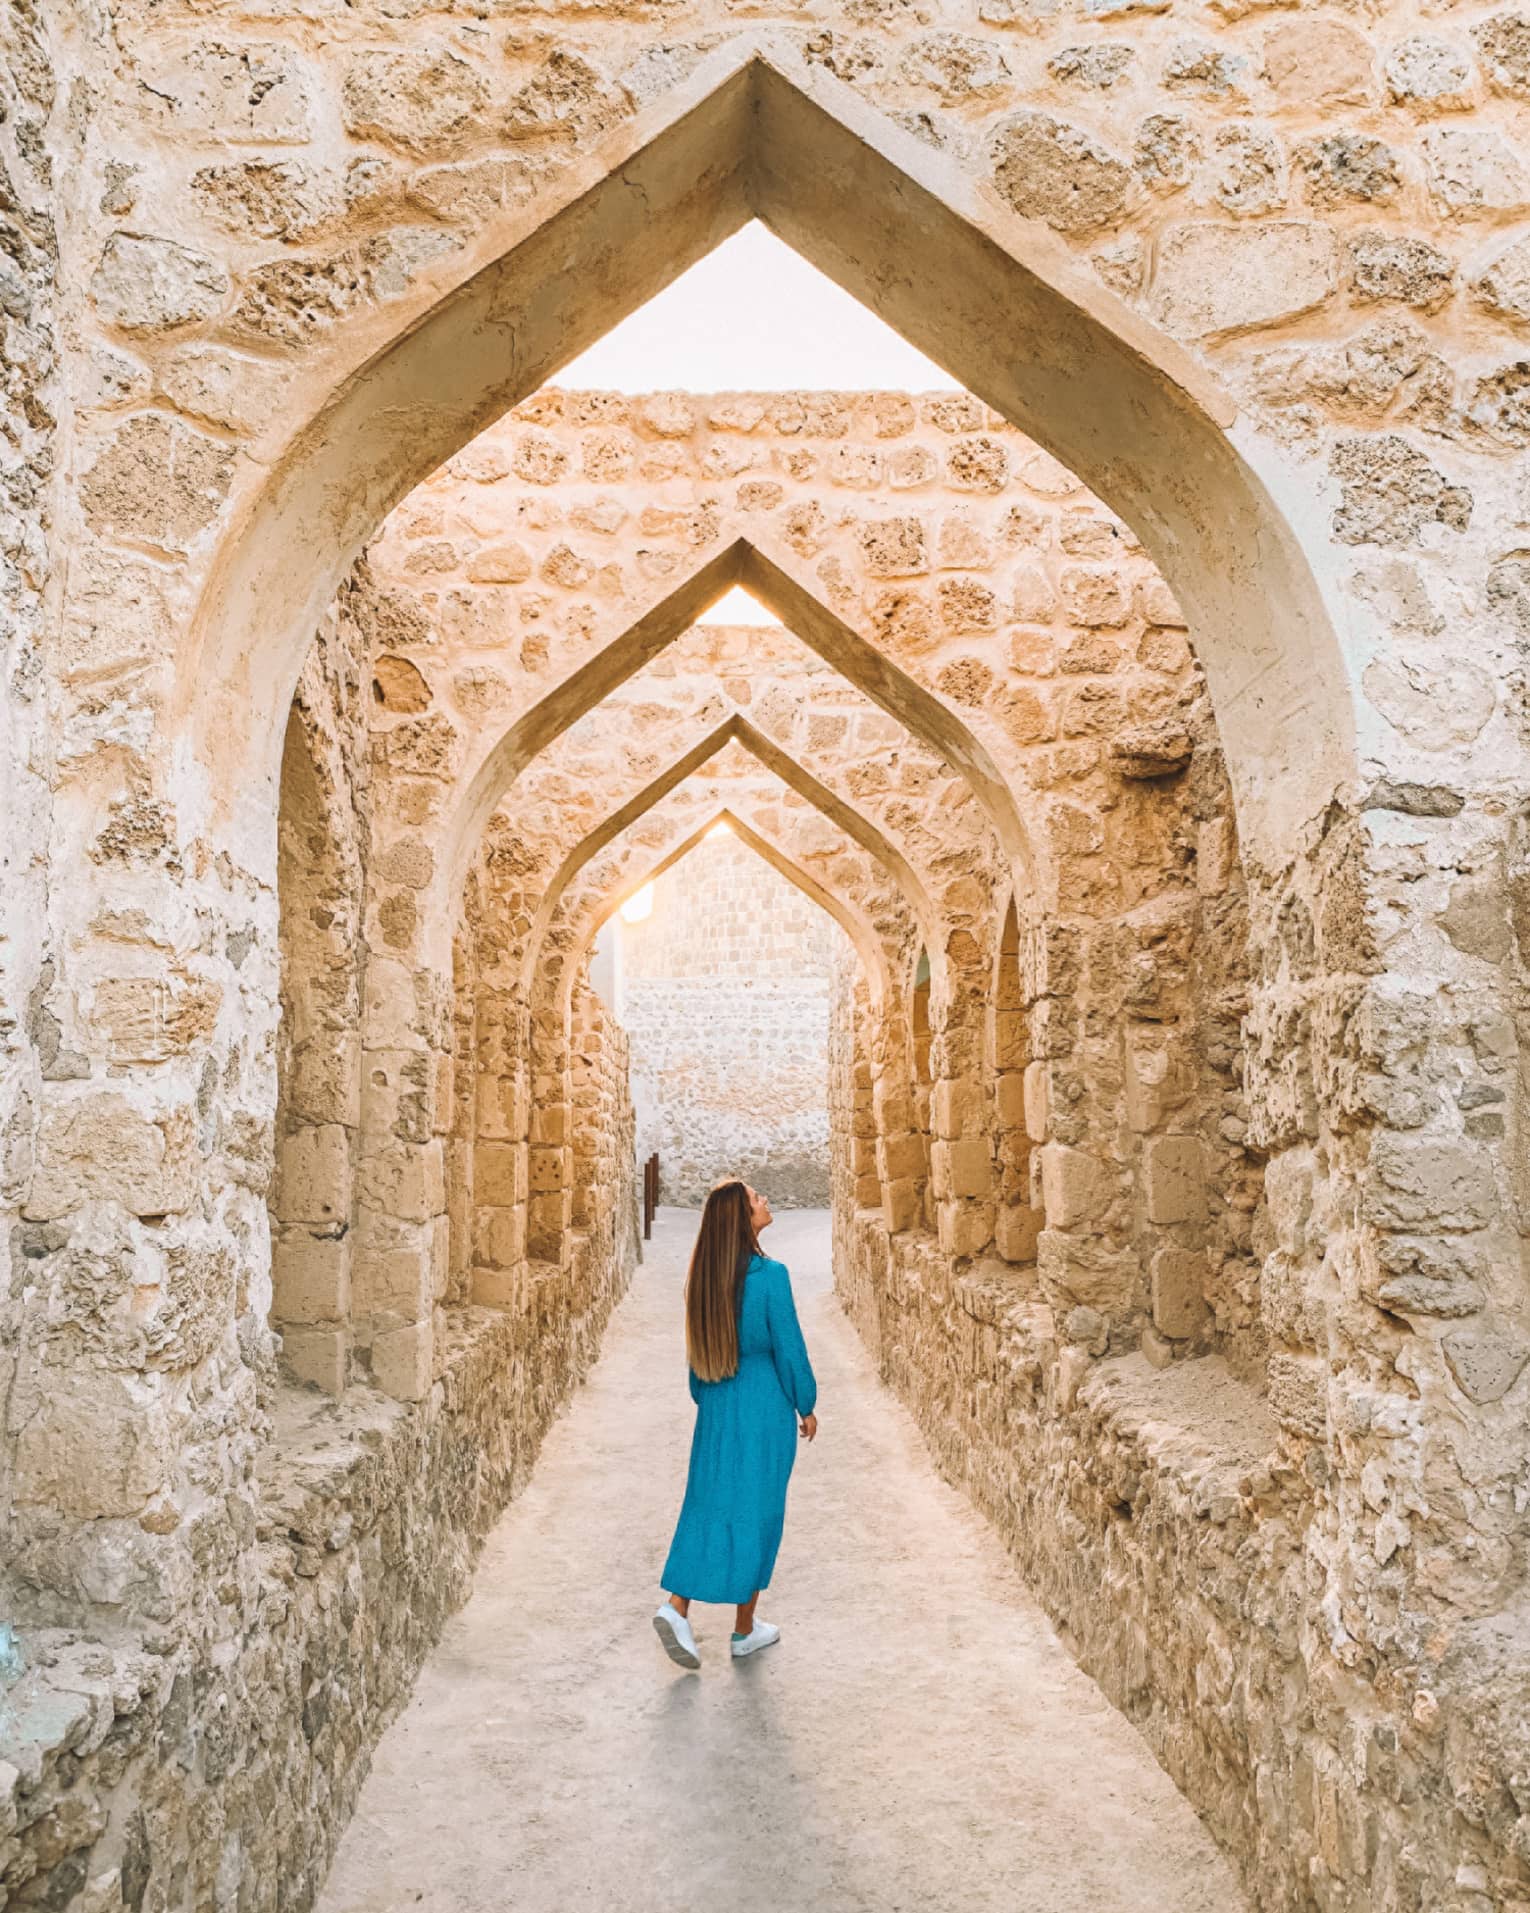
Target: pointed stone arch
[[863, 937], [782, 765], [757, 132], [771, 577]]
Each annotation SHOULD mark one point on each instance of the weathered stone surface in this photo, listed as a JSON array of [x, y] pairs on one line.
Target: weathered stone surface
[[1473, 172], [413, 99], [157, 602], [157, 481], [1430, 1181], [144, 284], [1047, 169], [1217, 279], [1391, 492], [1503, 284], [1486, 1361], [1317, 62], [1394, 267]]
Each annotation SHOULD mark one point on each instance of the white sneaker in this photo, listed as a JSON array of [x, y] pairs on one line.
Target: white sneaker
[[762, 1634], [674, 1632]]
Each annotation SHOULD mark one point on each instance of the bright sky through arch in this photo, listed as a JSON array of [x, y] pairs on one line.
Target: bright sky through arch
[[753, 316], [736, 606]]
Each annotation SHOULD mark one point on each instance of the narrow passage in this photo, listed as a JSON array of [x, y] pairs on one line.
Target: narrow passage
[[917, 1740]]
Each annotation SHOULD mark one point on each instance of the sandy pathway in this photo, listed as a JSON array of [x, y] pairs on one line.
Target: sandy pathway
[[918, 1740]]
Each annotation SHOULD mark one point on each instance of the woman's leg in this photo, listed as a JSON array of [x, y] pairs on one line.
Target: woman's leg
[[681, 1603], [744, 1620]]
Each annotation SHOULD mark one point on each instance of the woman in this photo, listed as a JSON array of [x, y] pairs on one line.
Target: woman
[[750, 1378]]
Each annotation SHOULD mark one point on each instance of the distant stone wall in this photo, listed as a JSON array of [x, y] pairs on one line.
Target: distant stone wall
[[726, 1004]]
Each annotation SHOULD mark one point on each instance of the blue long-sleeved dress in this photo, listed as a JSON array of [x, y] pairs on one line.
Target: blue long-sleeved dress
[[743, 1449]]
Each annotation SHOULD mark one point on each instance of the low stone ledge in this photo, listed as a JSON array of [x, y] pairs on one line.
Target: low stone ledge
[[1195, 1420], [1158, 1518], [214, 1774]]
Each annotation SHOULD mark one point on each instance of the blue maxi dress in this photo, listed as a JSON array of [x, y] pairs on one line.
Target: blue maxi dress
[[743, 1449]]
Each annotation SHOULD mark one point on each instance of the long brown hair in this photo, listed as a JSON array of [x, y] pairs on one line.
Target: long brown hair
[[724, 1244]]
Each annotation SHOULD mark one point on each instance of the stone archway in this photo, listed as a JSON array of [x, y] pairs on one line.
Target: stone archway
[[755, 132]]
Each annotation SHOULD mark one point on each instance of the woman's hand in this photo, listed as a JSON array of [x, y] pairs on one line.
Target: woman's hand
[[809, 1427]]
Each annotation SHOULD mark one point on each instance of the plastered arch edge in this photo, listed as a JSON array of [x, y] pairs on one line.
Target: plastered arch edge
[[756, 132]]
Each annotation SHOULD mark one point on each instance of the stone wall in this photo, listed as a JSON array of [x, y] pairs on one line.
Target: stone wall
[[149, 1768], [1256, 278], [725, 1001], [1166, 1520]]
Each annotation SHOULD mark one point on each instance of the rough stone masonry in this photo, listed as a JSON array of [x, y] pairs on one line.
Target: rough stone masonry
[[1151, 723]]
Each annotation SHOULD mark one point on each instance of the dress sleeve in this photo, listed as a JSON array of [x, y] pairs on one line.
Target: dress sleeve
[[693, 1381], [787, 1349]]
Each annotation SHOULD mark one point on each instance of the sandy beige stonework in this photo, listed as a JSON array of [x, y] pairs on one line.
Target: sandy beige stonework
[[1151, 722]]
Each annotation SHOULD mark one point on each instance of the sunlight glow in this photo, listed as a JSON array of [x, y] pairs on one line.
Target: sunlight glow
[[722, 828], [736, 606], [753, 316], [639, 905]]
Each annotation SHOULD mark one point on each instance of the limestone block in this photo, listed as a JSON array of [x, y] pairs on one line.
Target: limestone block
[[240, 91], [1486, 1358], [1016, 1228], [438, 1256], [1047, 169], [499, 1174], [1156, 1348], [500, 1287], [97, 1446], [1502, 285], [145, 284], [962, 1168], [894, 547], [956, 1107], [1086, 1271], [1009, 1099], [401, 1359], [313, 1175], [1076, 1187], [1473, 172], [1158, 1079], [1316, 62], [392, 1006], [158, 482], [318, 1354], [310, 1275], [101, 1146], [324, 1081], [904, 1157], [547, 1169], [416, 99], [499, 1236], [1037, 1093], [1428, 1181], [1174, 1179], [443, 1101], [868, 1191], [394, 1279], [547, 1225], [964, 1228], [1179, 1304], [904, 1206], [1297, 1386], [1476, 919], [1217, 279], [1011, 1039], [549, 1124], [406, 1181], [1073, 1364]]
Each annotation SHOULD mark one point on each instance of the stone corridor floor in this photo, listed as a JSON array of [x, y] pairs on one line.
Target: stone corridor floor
[[918, 1742]]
